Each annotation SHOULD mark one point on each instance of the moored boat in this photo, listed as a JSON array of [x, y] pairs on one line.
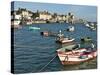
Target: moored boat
[[61, 39], [86, 39], [93, 28], [15, 23], [73, 54], [64, 40], [87, 25], [48, 33], [44, 33], [34, 28], [71, 28]]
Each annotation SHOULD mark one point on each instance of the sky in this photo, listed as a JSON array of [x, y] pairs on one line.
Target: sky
[[82, 11]]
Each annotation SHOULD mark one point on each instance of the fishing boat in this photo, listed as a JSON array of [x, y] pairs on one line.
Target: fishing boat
[[86, 39], [64, 40], [61, 39], [73, 54], [15, 23], [44, 33], [34, 28], [93, 28], [71, 28], [87, 25], [48, 33]]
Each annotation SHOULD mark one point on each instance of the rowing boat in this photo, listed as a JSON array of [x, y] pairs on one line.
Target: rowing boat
[[64, 40], [34, 28], [72, 54]]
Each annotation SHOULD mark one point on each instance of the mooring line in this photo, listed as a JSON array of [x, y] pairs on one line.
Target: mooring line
[[47, 63]]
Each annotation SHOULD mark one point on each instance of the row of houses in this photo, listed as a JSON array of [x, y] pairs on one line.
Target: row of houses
[[55, 17], [24, 16]]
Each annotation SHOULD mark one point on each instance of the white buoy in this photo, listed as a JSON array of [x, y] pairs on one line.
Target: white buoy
[[60, 31]]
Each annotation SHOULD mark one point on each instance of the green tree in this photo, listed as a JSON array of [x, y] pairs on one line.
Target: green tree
[[34, 15]]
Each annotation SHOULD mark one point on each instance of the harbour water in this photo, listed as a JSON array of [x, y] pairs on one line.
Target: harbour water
[[33, 51]]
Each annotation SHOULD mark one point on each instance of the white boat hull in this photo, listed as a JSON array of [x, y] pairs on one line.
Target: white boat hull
[[65, 40], [72, 57]]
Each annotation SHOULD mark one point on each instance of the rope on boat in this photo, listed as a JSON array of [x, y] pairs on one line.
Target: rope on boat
[[47, 63]]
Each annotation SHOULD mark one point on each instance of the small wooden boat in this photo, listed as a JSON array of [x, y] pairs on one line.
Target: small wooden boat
[[61, 39], [34, 28], [16, 26], [64, 40], [71, 28], [45, 33], [93, 26], [48, 33], [87, 25], [72, 54], [94, 29], [86, 39]]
